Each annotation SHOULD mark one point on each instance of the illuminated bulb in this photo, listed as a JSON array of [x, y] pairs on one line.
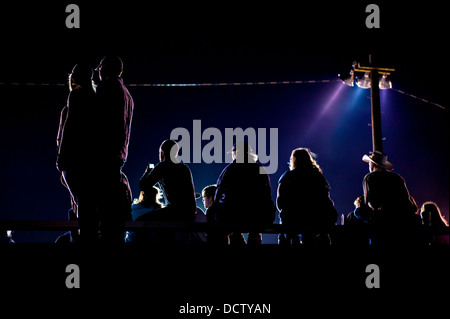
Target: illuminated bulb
[[385, 83], [364, 82], [347, 80]]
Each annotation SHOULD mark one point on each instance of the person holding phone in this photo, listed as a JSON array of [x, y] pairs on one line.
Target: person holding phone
[[175, 180]]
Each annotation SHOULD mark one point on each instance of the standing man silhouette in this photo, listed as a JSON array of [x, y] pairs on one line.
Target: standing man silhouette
[[113, 118]]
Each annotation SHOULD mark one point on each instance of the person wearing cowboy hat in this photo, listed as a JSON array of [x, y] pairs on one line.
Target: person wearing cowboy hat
[[386, 193], [378, 160]]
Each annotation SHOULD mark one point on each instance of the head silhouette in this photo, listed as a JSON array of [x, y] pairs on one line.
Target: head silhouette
[[81, 76], [303, 158], [149, 196], [242, 152], [168, 150], [110, 67], [431, 215]]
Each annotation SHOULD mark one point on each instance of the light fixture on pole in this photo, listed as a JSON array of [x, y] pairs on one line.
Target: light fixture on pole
[[363, 82], [385, 82], [348, 79], [371, 79]]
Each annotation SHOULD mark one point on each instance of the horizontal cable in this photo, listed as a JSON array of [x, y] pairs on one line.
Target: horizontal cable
[[31, 84], [233, 83], [210, 84], [419, 98], [181, 84]]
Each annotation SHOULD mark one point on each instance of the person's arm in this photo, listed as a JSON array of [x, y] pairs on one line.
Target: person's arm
[[68, 132], [367, 194], [220, 187], [280, 193], [279, 198], [151, 176], [62, 122]]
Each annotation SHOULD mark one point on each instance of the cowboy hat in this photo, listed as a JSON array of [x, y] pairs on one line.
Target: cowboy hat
[[379, 159]]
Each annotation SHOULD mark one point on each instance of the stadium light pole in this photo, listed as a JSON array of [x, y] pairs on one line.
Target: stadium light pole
[[371, 80]]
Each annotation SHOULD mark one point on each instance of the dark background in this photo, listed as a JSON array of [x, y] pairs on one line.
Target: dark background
[[227, 42]]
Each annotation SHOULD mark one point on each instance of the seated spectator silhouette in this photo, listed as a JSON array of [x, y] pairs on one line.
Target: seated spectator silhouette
[[200, 217], [357, 222], [303, 199], [147, 203], [432, 218], [243, 194], [362, 214], [213, 237], [386, 193], [175, 180], [208, 194]]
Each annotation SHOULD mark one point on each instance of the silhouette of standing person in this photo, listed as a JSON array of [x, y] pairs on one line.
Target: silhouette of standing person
[[114, 111], [93, 147], [75, 141], [303, 199]]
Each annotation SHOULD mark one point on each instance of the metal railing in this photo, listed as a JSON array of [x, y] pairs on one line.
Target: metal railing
[[53, 225]]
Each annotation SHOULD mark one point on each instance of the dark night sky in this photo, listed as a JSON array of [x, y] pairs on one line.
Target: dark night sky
[[227, 42]]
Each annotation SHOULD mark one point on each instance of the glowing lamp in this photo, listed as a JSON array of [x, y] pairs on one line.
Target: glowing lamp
[[363, 82], [347, 80], [385, 83]]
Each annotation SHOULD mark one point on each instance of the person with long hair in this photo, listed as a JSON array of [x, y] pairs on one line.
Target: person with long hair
[[432, 217], [303, 199]]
